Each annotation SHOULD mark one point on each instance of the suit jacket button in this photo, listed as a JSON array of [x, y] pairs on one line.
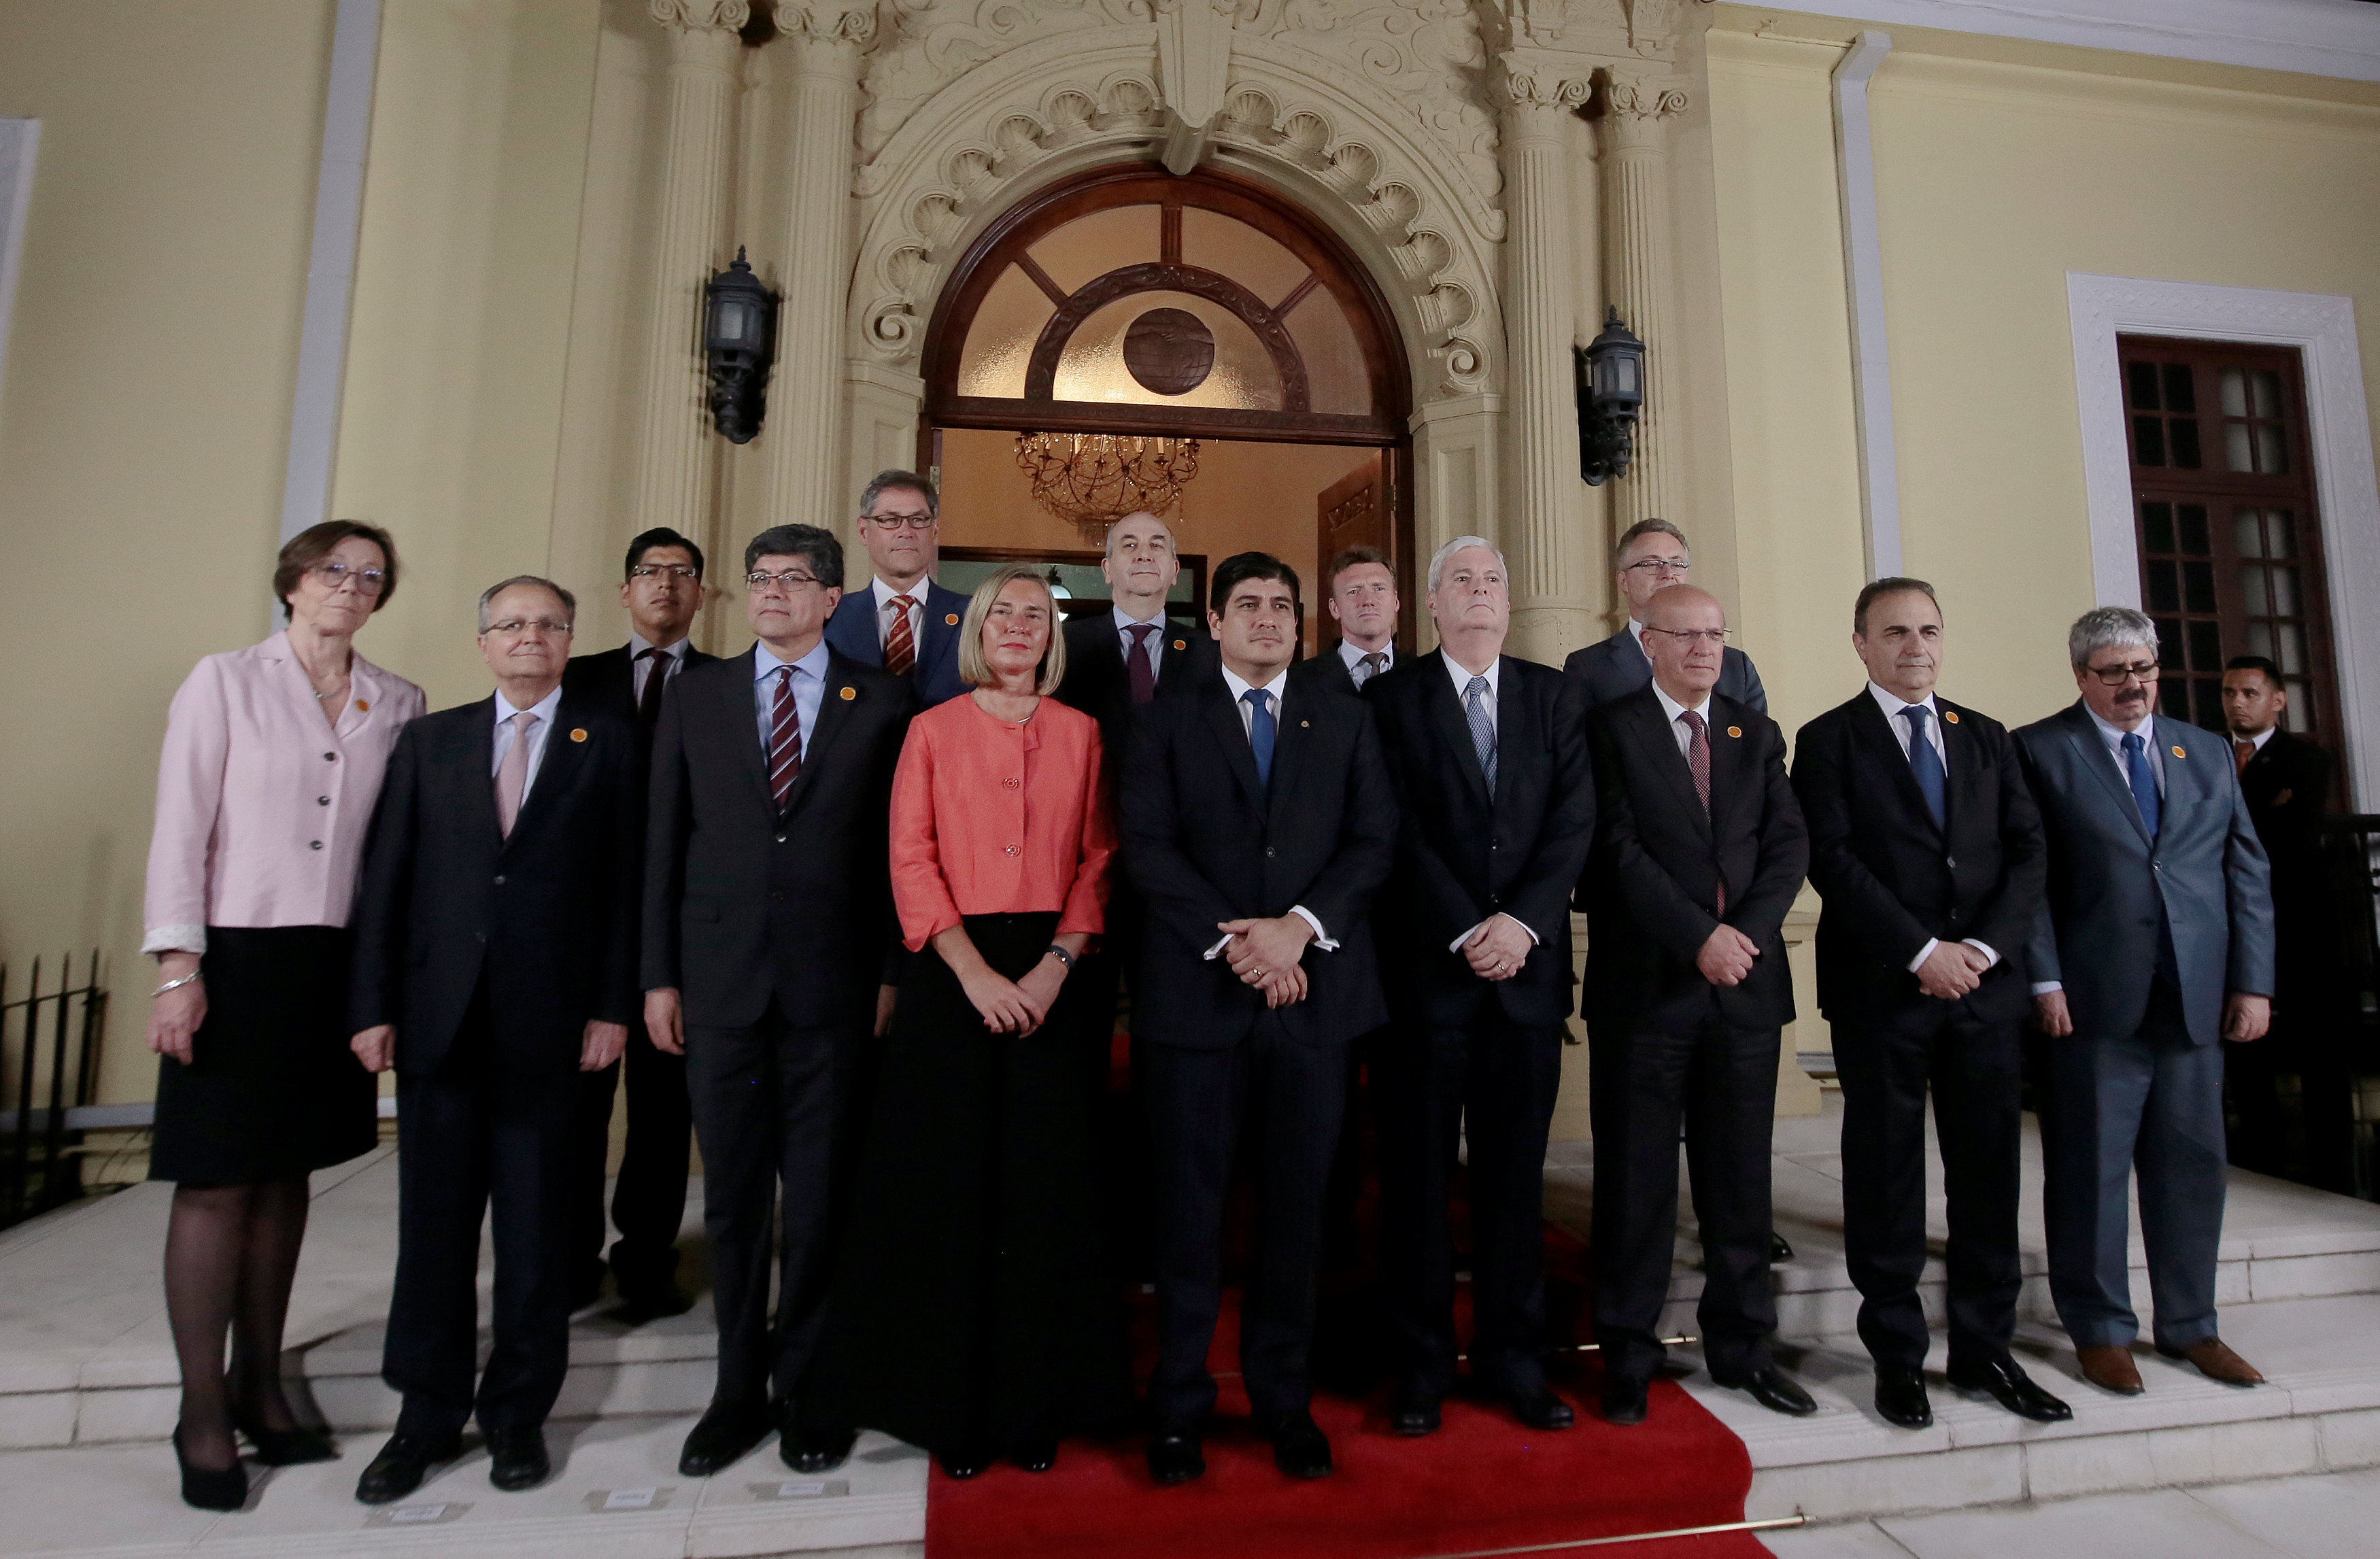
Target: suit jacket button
[[1951, 862], [776, 896], [780, 839], [1268, 852], [500, 880], [330, 757], [314, 844], [321, 801]]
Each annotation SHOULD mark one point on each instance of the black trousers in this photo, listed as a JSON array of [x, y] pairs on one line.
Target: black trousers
[[773, 1108], [1490, 1083], [1287, 1096], [1887, 1061], [649, 1199], [1722, 1080], [473, 1140]]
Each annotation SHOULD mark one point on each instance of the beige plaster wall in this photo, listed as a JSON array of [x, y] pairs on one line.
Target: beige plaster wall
[[143, 428]]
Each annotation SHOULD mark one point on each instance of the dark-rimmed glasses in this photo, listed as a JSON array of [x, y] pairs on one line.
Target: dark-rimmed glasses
[[2117, 676], [681, 573], [900, 521], [1715, 637], [790, 581]]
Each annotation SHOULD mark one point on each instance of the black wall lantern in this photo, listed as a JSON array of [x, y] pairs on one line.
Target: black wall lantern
[[739, 328], [1610, 393]]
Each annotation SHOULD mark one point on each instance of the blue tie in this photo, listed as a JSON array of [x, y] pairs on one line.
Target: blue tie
[[1260, 732], [1483, 729], [2144, 779], [1926, 763]]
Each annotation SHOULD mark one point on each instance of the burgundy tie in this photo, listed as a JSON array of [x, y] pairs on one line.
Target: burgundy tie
[[649, 708], [1138, 672], [1698, 764], [900, 642], [784, 740]]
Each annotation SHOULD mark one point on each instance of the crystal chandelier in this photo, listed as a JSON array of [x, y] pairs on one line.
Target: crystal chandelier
[[1094, 479]]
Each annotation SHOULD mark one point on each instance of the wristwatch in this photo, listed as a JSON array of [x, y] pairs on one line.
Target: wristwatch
[[1063, 955]]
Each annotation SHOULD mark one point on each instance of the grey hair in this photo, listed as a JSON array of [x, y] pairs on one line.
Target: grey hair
[[1643, 528], [2108, 627], [487, 596], [885, 481], [1437, 559], [1107, 543], [820, 548]]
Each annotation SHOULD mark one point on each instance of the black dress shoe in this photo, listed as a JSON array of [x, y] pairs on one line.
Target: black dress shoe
[[516, 1458], [1624, 1399], [283, 1447], [1778, 1252], [1775, 1390], [1299, 1447], [1540, 1409], [2011, 1388], [819, 1450], [208, 1488], [1035, 1459], [1414, 1411], [1901, 1398], [638, 1306], [964, 1463], [403, 1463], [726, 1435], [1174, 1457]]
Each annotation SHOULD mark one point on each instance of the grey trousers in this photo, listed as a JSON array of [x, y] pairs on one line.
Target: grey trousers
[[2150, 1101]]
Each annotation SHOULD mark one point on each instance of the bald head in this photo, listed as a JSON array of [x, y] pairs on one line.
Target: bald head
[[1685, 633]]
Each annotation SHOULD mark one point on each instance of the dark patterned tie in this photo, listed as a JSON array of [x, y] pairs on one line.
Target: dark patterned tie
[[1138, 674], [784, 740], [1698, 764], [649, 707], [1483, 730]]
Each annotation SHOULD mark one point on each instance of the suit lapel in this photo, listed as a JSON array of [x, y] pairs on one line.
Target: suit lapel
[[2183, 787], [1659, 747], [943, 611], [851, 629], [1873, 729], [1446, 715], [1223, 720], [554, 767], [478, 778], [1730, 779], [1964, 769], [2084, 734], [835, 707], [1516, 728], [740, 714], [1292, 743], [1628, 657]]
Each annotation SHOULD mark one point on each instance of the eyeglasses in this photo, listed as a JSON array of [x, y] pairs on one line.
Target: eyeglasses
[[790, 581], [513, 627], [683, 573], [1715, 637], [2117, 676], [370, 581], [1651, 566], [900, 521]]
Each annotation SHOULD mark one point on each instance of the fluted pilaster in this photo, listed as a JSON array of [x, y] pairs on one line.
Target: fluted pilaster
[[804, 436], [1637, 109], [674, 464], [1537, 92]]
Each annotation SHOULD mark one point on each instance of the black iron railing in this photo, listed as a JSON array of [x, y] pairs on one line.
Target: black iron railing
[[49, 1067]]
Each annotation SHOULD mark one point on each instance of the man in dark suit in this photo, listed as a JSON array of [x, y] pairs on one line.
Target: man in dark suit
[[768, 925], [495, 963], [2286, 779], [1359, 590], [1488, 757], [902, 620], [1926, 846], [1256, 826], [2156, 941], [663, 591], [1651, 557], [1119, 660], [1699, 851]]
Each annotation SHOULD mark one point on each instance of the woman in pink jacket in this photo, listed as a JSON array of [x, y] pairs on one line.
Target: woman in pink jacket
[[272, 760]]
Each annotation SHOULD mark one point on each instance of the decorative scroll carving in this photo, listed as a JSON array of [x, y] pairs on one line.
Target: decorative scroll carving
[[827, 33], [701, 16], [933, 42], [1630, 94]]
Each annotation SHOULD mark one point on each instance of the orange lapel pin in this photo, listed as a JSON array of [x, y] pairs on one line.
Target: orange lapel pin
[[1735, 731], [578, 733], [950, 618], [849, 693], [1182, 644], [1949, 717], [2179, 754]]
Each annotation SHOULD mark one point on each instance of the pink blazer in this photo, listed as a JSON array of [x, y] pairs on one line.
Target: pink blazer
[[262, 807]]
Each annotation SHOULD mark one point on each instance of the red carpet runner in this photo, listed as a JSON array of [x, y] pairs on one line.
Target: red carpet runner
[[1481, 1483]]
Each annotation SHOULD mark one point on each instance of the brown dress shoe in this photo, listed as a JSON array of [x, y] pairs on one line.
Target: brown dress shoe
[[2110, 1368], [2216, 1362]]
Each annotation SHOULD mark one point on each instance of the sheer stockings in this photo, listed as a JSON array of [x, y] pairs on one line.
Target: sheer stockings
[[231, 1255]]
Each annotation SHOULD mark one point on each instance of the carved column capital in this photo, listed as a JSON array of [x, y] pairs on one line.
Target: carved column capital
[[827, 36], [1536, 89], [700, 16], [1636, 103]]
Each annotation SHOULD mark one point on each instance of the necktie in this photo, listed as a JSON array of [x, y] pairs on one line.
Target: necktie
[[1138, 674], [2144, 779], [1698, 764], [1925, 764], [1260, 732], [512, 775], [2242, 752], [649, 707], [900, 647], [1370, 666], [784, 739], [1482, 728]]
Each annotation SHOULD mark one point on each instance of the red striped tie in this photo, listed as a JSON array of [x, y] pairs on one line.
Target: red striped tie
[[900, 644], [784, 739], [1699, 756]]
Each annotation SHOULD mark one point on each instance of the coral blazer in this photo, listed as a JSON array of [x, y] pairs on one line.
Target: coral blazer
[[990, 816]]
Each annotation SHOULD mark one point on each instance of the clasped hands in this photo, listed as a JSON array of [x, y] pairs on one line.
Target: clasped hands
[[1726, 957], [1268, 954], [1497, 948], [1951, 971], [599, 1046]]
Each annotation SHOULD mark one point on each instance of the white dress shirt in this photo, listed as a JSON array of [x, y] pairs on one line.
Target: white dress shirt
[[1273, 692], [1462, 680], [809, 691], [2113, 738], [640, 666], [1126, 622], [880, 596], [1892, 704], [1672, 708], [1636, 632], [538, 728], [2257, 743]]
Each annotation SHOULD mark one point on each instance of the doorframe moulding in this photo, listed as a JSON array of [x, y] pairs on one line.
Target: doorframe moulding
[[2306, 37], [2322, 328]]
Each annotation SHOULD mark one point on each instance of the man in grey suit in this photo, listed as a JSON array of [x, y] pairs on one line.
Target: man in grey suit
[[1651, 557], [2157, 941]]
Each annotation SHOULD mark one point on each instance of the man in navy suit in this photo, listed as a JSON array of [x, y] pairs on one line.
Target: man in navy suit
[[903, 620], [2156, 942], [1359, 590], [1651, 557]]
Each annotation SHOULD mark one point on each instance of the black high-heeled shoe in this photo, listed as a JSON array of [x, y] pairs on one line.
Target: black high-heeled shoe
[[964, 1461], [209, 1487], [283, 1447]]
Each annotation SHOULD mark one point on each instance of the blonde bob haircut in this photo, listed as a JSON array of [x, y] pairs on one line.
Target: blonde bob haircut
[[973, 669]]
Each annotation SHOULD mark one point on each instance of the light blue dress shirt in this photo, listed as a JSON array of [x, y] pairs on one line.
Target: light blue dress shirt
[[809, 691]]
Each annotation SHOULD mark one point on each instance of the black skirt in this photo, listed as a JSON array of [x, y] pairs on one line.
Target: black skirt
[[272, 1092], [975, 1307]]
